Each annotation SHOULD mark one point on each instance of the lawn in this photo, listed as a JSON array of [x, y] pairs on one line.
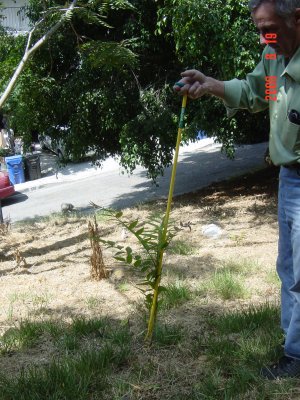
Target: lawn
[[66, 336]]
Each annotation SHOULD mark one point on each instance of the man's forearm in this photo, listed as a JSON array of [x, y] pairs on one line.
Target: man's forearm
[[215, 87]]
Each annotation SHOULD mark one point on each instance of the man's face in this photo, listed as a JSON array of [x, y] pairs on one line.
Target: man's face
[[267, 21]]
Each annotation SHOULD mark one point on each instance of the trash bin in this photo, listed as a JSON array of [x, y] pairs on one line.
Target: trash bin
[[32, 167], [15, 169]]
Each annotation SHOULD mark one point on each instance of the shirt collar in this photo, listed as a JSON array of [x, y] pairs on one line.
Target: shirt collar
[[293, 67]]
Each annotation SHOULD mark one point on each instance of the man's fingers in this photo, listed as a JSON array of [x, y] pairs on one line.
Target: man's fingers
[[194, 87], [199, 92], [196, 90], [192, 83], [190, 73]]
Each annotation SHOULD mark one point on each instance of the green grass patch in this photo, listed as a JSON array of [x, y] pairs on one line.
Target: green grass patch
[[87, 351], [181, 248], [68, 342], [19, 338], [97, 359], [227, 285], [250, 318], [240, 343], [272, 278], [83, 327], [165, 335], [242, 267], [68, 378], [174, 295], [64, 336], [227, 281], [121, 336]]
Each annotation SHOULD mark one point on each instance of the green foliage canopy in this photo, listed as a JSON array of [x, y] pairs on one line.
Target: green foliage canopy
[[219, 39], [98, 84], [103, 81]]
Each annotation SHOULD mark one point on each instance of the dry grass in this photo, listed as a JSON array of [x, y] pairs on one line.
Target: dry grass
[[98, 269], [181, 364]]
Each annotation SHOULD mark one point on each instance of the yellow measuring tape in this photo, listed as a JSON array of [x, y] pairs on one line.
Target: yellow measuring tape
[[153, 310]]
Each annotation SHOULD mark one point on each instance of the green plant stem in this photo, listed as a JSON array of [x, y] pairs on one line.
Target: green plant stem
[[153, 310]]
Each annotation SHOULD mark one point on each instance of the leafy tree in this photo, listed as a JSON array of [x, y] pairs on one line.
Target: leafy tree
[[219, 39], [103, 81], [87, 88]]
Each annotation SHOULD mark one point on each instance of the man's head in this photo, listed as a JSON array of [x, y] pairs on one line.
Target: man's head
[[281, 17]]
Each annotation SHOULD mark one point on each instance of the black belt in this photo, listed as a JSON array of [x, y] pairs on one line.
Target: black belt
[[295, 166]]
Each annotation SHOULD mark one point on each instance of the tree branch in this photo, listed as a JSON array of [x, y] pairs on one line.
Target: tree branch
[[29, 51]]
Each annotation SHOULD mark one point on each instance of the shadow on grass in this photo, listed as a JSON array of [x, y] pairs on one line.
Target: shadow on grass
[[219, 358], [263, 183], [199, 351]]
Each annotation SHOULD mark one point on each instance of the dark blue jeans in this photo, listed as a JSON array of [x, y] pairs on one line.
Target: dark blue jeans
[[288, 262]]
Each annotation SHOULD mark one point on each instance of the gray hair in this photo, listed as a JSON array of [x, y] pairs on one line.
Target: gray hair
[[283, 8]]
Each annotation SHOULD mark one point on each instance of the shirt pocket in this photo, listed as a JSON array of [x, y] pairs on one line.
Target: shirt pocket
[[291, 138]]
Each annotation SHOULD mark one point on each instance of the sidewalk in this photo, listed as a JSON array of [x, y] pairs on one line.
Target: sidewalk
[[200, 164], [52, 174]]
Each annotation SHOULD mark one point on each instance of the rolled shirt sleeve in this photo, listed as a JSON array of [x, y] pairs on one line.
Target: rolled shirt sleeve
[[247, 93]]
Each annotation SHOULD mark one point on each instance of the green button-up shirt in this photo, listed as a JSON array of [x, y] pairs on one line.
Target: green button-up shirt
[[250, 94]]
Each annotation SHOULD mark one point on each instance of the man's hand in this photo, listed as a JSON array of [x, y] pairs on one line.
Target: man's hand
[[195, 85]]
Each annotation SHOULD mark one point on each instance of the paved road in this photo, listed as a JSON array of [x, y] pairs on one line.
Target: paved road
[[198, 167]]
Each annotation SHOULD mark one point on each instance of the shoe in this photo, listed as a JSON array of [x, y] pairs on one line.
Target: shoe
[[286, 367]]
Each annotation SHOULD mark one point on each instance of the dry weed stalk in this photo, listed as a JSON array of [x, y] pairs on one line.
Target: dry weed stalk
[[98, 269], [20, 259], [4, 228]]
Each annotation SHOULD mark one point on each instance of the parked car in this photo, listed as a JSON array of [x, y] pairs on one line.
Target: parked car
[[6, 189], [57, 147], [49, 144]]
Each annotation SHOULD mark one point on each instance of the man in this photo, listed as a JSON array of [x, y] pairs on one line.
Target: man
[[278, 69]]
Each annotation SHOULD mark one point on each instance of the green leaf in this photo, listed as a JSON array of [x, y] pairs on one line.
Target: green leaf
[[144, 283], [133, 224], [137, 263], [151, 276], [162, 289], [139, 232], [122, 259], [149, 298]]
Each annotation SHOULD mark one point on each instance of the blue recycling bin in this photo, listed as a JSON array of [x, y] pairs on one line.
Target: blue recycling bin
[[15, 168], [201, 135]]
